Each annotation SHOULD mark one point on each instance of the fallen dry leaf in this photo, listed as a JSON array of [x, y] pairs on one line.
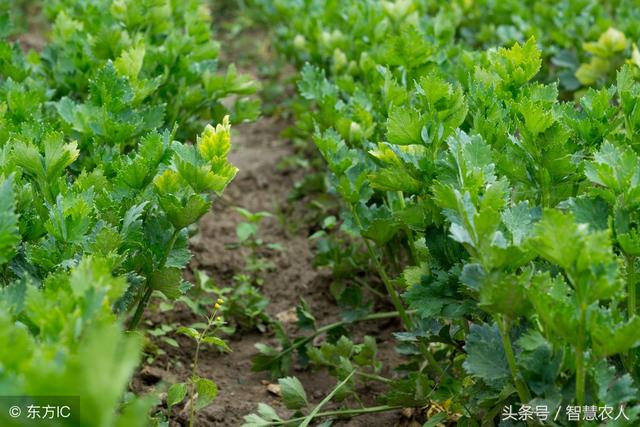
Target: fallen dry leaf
[[287, 316], [274, 389]]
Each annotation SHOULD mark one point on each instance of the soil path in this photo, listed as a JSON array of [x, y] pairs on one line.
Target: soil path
[[261, 185]]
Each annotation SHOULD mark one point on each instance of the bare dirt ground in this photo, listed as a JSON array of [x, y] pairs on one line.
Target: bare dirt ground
[[261, 185]]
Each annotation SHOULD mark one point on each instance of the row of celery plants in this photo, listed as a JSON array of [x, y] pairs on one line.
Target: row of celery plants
[[503, 180], [96, 193]]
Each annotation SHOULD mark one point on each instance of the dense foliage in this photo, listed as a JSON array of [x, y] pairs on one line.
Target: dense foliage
[[96, 195], [486, 160], [487, 153]]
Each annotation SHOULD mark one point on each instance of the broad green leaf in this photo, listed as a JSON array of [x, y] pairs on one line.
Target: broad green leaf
[[293, 393], [435, 420], [561, 240], [176, 394], [9, 232], [519, 221], [313, 84], [265, 417], [168, 281], [594, 212], [613, 336], [190, 332], [58, 155], [404, 126], [617, 169], [246, 230], [612, 388], [485, 354], [207, 392], [218, 342]]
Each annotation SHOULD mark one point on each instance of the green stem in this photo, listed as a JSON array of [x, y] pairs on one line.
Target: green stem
[[369, 287], [135, 321], [324, 401], [631, 286], [431, 359], [142, 304], [326, 328], [545, 198], [338, 413], [629, 358], [580, 365], [521, 387], [170, 246], [194, 369], [391, 290], [412, 245], [395, 298], [373, 377]]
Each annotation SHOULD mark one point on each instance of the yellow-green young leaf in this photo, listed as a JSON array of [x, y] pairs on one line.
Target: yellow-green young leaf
[[609, 42], [129, 63], [176, 394], [27, 156], [214, 143], [204, 178], [393, 175], [220, 176], [184, 214], [596, 69], [630, 242], [57, 155], [537, 117], [168, 182], [266, 414], [65, 27], [394, 178], [413, 274], [635, 56], [519, 64], [558, 238]]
